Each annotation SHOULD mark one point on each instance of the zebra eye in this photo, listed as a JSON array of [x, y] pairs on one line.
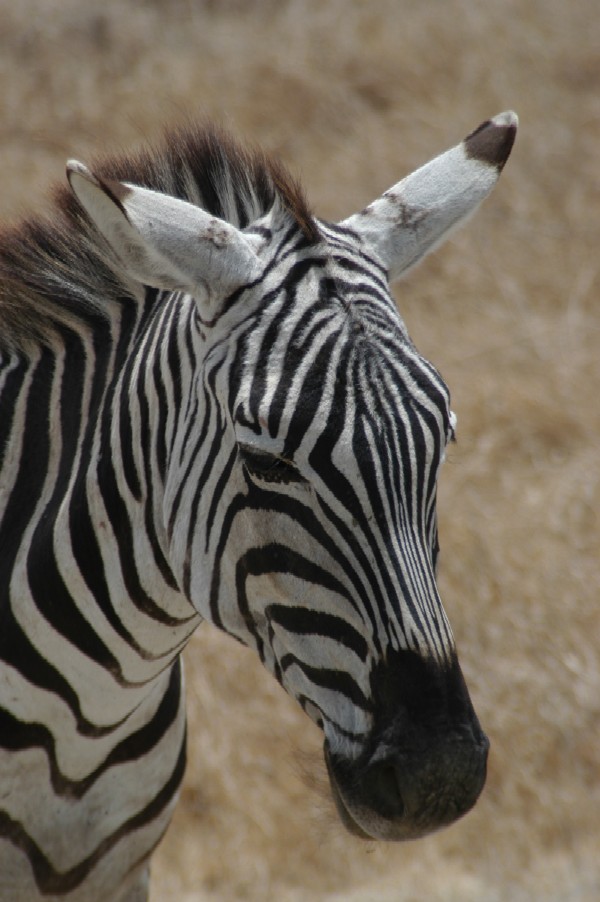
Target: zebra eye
[[269, 467]]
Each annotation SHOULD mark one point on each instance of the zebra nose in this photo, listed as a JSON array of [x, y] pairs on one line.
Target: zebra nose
[[409, 794], [428, 793]]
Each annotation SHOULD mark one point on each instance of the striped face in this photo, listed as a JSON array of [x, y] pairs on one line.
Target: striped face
[[299, 501], [340, 428], [321, 551]]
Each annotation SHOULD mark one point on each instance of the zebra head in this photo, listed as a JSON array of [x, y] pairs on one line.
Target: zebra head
[[298, 504]]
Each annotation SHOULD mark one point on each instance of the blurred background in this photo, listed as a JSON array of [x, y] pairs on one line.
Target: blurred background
[[353, 96]]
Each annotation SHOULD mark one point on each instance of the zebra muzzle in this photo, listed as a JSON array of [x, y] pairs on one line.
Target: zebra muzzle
[[410, 793]]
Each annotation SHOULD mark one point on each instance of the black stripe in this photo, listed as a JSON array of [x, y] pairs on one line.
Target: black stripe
[[123, 532], [50, 594], [334, 680], [16, 736], [15, 647], [129, 466], [18, 652], [15, 374], [47, 878], [154, 435], [29, 481], [306, 621], [86, 551], [202, 432]]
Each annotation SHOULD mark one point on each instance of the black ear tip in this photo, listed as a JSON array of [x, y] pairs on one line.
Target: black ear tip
[[493, 140]]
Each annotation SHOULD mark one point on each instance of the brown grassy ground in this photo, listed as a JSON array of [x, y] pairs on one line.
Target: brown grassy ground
[[353, 95]]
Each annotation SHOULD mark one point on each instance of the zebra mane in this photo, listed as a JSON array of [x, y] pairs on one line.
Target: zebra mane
[[54, 270]]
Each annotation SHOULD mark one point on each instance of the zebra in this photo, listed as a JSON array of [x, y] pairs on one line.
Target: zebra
[[211, 409]]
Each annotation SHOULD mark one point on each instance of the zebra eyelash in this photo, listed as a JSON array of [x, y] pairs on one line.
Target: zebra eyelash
[[267, 467]]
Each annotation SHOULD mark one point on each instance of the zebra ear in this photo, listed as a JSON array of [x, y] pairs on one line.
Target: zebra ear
[[164, 242], [418, 213]]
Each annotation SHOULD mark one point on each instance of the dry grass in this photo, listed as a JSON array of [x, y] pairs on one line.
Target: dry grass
[[353, 95]]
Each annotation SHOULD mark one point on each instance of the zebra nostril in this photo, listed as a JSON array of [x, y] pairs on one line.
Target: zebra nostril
[[382, 786]]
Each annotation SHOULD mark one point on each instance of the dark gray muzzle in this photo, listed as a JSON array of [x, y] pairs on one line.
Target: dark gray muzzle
[[424, 764]]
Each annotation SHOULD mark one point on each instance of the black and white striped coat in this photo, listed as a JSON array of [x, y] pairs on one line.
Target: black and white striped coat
[[211, 409]]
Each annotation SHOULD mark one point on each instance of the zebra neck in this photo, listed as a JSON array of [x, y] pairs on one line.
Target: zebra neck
[[82, 572], [123, 491]]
